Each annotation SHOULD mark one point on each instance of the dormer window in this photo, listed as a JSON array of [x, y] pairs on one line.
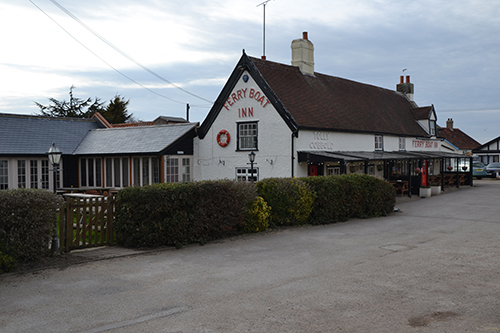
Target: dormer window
[[379, 142], [432, 127]]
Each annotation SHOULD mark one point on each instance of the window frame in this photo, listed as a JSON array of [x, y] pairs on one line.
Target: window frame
[[247, 175], [379, 144], [239, 126]]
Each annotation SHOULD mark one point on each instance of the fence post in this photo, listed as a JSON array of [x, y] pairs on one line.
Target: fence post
[[110, 220]]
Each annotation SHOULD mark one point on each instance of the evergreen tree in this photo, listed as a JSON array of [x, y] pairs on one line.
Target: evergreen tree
[[116, 111], [75, 107]]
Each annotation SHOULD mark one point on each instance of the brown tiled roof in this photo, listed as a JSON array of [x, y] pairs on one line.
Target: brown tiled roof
[[140, 123], [332, 103], [422, 113], [458, 138]]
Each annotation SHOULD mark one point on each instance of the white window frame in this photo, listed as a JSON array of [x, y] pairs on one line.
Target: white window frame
[[379, 142], [180, 170], [333, 170], [37, 173], [4, 174], [432, 127], [402, 143], [143, 172], [245, 174], [248, 141]]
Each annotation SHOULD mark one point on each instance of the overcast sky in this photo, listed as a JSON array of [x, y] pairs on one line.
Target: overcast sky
[[451, 50]]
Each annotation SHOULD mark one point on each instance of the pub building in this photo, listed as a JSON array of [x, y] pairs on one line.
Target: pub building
[[300, 123]]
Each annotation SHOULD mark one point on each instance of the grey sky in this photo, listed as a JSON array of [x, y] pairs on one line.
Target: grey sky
[[451, 50]]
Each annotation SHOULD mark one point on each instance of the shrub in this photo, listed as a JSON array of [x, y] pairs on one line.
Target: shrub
[[26, 222], [290, 200], [181, 213], [7, 263], [368, 196], [331, 202], [257, 216]]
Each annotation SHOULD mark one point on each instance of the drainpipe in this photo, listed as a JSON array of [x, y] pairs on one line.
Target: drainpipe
[[292, 155]]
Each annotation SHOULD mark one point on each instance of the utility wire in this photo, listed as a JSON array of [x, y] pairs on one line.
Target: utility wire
[[123, 53], [108, 64]]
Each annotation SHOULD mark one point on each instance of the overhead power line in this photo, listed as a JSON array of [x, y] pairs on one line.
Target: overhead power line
[[119, 51]]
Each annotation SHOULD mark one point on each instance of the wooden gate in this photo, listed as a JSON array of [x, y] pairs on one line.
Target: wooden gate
[[87, 221]]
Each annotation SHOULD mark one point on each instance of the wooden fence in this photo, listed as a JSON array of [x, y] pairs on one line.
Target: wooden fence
[[86, 221]]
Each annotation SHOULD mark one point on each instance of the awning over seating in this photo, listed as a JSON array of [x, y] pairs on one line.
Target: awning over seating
[[356, 156]]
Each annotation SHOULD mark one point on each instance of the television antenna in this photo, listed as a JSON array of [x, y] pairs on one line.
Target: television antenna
[[264, 29]]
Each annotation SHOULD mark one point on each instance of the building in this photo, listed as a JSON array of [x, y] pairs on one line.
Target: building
[[94, 154], [302, 123], [456, 140], [488, 152]]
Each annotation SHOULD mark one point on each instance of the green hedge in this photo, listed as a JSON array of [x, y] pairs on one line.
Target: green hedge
[[181, 213], [26, 222], [349, 196], [291, 200], [199, 212]]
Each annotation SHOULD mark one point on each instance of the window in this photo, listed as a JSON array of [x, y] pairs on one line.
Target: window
[[137, 171], [247, 136], [45, 174], [155, 169], [83, 172], [172, 172], [116, 171], [109, 172], [145, 171], [33, 173], [245, 174], [332, 171], [379, 142], [125, 172], [4, 174], [402, 143], [91, 172], [21, 173], [432, 127], [186, 169]]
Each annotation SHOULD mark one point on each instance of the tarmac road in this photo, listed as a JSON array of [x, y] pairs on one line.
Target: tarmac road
[[434, 267]]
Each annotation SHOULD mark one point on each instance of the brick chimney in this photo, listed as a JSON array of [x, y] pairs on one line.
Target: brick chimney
[[303, 54], [405, 87], [449, 123]]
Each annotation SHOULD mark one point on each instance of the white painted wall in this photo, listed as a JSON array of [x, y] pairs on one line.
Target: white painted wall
[[273, 157]]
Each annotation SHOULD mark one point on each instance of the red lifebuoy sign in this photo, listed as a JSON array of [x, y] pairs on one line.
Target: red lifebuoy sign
[[223, 138]]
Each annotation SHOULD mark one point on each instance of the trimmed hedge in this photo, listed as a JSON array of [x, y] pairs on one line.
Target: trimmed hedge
[[291, 200], [199, 212], [181, 213], [26, 222], [349, 196]]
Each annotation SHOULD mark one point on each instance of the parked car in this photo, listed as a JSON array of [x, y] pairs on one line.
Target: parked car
[[492, 169], [479, 170]]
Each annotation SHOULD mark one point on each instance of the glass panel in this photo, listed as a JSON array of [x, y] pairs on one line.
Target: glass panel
[[21, 173], [109, 172], [116, 168], [156, 170], [186, 169], [125, 175], [4, 174], [91, 171], [145, 171], [98, 172], [45, 174], [172, 174], [33, 173], [137, 171]]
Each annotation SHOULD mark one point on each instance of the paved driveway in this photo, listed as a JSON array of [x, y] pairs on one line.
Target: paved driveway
[[434, 267]]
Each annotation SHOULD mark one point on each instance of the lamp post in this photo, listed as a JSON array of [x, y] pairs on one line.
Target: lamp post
[[54, 155], [251, 157]]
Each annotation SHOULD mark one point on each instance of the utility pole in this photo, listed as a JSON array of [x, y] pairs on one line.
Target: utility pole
[[264, 29]]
